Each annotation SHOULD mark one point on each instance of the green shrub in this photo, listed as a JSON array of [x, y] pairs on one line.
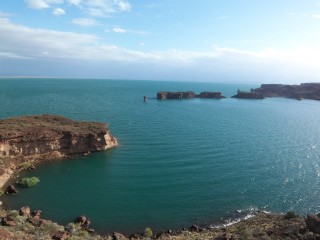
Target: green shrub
[[148, 232], [1, 192], [29, 181]]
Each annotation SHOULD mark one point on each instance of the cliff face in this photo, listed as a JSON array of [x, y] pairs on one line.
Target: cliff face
[[44, 134]]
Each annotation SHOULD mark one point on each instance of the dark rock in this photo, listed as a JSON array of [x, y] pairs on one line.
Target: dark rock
[[194, 228], [35, 221], [11, 190], [8, 221], [81, 220], [36, 213], [90, 230], [159, 234], [118, 236], [25, 211], [169, 231], [60, 236], [313, 223], [175, 95]]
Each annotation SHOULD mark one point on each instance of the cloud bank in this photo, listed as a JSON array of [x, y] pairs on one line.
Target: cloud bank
[[21, 43]]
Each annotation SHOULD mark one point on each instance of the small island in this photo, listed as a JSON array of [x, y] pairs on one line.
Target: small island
[[188, 95]]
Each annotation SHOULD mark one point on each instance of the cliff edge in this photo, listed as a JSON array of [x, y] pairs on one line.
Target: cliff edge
[[43, 137]]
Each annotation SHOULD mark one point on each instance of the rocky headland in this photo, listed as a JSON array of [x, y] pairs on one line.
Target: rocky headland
[[302, 91], [45, 137]]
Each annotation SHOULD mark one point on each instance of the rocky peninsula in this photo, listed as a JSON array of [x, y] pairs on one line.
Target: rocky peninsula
[[302, 91], [46, 137]]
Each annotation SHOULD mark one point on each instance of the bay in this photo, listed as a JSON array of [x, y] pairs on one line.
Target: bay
[[179, 162]]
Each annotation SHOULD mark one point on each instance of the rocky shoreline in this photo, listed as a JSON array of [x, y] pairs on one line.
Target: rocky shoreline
[[26, 224], [298, 92]]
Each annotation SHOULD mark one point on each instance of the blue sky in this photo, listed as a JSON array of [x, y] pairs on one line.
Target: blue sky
[[185, 40]]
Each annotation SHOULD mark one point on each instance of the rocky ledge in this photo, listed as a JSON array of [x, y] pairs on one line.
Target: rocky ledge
[[46, 137]]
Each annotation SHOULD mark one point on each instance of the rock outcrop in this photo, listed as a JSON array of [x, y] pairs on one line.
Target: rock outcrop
[[45, 134]]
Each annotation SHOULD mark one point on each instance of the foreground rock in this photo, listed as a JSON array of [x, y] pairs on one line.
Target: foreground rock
[[46, 137], [261, 226]]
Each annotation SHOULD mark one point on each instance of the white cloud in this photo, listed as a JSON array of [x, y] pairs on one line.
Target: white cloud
[[316, 16], [122, 30], [58, 12], [74, 2], [118, 30], [123, 6], [37, 4], [85, 22]]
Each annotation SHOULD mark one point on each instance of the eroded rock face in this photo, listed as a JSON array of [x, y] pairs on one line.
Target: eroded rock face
[[42, 134]]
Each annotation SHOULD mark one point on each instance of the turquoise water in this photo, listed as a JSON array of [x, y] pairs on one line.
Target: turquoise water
[[179, 162]]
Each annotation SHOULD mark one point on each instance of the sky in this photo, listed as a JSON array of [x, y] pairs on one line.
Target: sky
[[270, 41]]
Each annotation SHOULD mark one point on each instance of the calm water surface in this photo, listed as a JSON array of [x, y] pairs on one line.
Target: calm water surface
[[179, 162]]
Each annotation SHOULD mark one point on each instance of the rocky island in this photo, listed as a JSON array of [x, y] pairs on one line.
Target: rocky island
[[46, 137], [248, 95], [188, 95]]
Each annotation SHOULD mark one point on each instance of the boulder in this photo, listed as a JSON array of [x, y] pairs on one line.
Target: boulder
[[8, 221], [313, 223], [83, 221], [60, 235], [118, 236], [194, 228], [25, 211], [11, 190], [36, 213]]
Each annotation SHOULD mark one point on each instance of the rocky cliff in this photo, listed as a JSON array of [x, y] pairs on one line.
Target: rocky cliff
[[45, 134]]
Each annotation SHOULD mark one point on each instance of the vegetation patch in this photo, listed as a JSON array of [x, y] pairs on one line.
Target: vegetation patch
[[148, 232], [25, 165], [29, 182]]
